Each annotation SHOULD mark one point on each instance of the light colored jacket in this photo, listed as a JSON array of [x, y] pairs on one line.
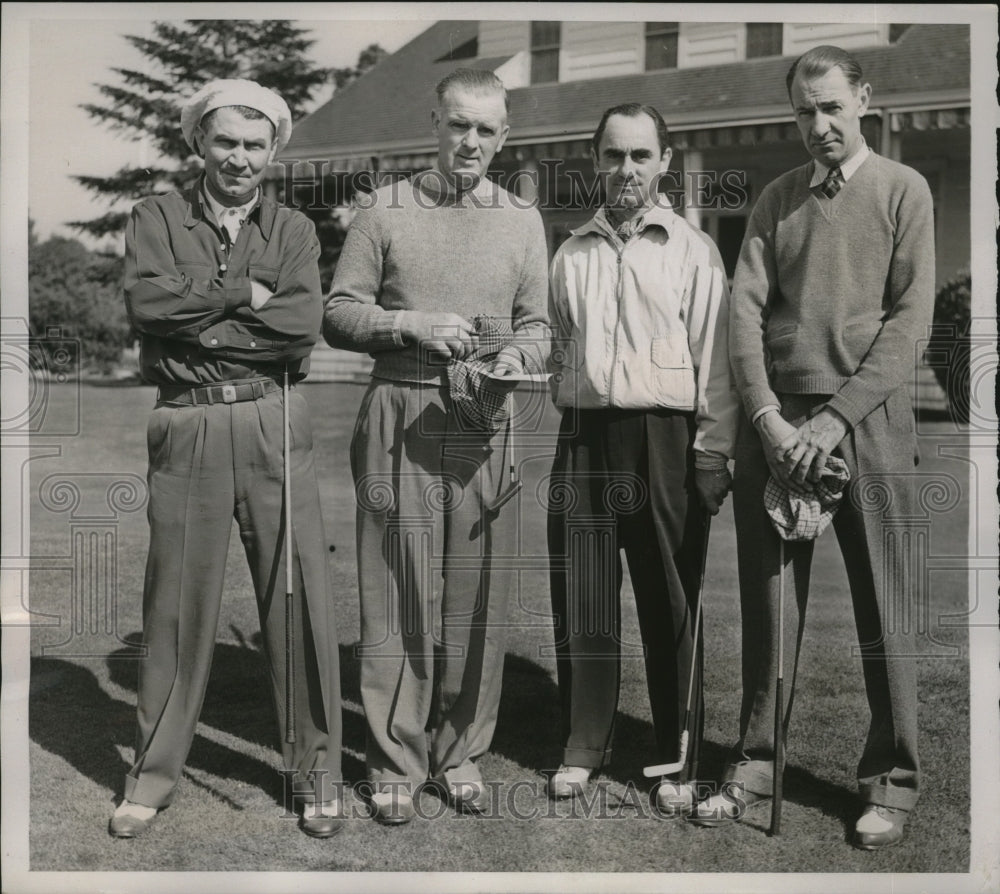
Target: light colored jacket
[[644, 325]]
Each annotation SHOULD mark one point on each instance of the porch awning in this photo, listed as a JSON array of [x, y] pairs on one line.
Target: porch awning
[[700, 138], [930, 119]]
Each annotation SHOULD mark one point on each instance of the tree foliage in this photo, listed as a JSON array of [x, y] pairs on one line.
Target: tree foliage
[[183, 56], [77, 292], [949, 349], [368, 58]]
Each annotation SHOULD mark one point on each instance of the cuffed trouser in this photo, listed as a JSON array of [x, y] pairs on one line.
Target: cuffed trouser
[[624, 479], [879, 453], [207, 463], [434, 570]]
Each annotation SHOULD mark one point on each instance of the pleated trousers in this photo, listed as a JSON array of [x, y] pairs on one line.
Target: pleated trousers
[[207, 465], [435, 568], [879, 453]]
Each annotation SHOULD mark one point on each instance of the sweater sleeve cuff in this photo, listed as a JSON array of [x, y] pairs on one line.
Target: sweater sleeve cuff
[[762, 411], [757, 398], [396, 318], [383, 331], [854, 403]]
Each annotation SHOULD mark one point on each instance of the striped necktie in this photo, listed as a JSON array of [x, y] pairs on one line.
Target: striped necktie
[[833, 182]]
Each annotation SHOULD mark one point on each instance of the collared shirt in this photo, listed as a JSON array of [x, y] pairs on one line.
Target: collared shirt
[[820, 172], [229, 218], [847, 169], [643, 324], [808, 317], [189, 295], [626, 229]]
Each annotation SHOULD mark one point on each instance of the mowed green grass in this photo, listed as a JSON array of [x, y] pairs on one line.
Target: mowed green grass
[[228, 812]]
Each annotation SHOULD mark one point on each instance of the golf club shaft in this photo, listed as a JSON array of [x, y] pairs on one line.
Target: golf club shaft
[[686, 732], [289, 602], [779, 700], [695, 650], [512, 472]]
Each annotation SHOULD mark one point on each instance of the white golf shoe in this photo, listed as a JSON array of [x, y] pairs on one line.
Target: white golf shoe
[[879, 827], [568, 782], [674, 798]]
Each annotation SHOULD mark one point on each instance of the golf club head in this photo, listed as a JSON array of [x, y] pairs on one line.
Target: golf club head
[[512, 490], [662, 769], [667, 769]]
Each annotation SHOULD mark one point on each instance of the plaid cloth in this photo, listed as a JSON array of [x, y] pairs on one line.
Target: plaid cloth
[[479, 408], [805, 518]]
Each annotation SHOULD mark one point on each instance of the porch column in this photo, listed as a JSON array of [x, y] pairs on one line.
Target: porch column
[[891, 142], [693, 161], [527, 180]]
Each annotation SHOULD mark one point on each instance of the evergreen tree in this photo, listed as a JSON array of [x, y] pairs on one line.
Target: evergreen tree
[[184, 56], [368, 58]]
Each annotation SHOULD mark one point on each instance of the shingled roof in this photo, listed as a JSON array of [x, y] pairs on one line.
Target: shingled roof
[[388, 109]]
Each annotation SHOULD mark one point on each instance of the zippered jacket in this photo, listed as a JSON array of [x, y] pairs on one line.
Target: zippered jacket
[[644, 325]]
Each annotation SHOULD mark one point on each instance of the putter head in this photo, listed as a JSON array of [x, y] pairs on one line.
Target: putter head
[[662, 769], [667, 769], [511, 491]]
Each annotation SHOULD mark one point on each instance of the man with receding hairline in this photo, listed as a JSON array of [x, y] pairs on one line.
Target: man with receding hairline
[[833, 288], [423, 259], [639, 306]]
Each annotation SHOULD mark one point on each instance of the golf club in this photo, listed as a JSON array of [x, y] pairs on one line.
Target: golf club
[[514, 484], [289, 604], [682, 763], [779, 734]]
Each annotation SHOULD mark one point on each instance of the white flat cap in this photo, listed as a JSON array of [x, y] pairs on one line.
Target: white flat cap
[[237, 92]]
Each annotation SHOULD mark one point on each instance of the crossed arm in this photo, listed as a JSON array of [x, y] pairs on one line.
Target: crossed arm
[[240, 318]]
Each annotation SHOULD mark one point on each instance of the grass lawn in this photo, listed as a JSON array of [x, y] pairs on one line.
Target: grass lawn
[[86, 586]]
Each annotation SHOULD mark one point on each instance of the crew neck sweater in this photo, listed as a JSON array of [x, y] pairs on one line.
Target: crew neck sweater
[[411, 247], [830, 296]]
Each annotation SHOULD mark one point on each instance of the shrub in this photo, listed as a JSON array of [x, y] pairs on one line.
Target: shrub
[[78, 293], [949, 348]]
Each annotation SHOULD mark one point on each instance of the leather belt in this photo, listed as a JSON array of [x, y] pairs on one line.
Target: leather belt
[[223, 393]]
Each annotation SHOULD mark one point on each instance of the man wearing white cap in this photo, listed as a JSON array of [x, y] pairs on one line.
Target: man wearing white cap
[[223, 286]]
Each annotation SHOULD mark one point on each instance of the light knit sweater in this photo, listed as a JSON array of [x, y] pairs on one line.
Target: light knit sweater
[[410, 248], [831, 295]]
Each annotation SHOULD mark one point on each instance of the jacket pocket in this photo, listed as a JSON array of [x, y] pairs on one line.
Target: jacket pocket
[[267, 276], [671, 372], [194, 271], [780, 331], [780, 341]]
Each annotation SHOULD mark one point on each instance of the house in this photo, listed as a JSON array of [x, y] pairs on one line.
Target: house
[[719, 86]]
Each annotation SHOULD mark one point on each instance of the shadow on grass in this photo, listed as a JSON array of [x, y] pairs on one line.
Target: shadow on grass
[[238, 702], [73, 717], [528, 732]]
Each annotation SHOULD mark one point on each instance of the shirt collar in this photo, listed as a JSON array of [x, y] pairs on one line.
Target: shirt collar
[[218, 210], [660, 214], [847, 169]]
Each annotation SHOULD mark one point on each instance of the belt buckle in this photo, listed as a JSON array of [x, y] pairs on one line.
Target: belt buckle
[[228, 394]]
